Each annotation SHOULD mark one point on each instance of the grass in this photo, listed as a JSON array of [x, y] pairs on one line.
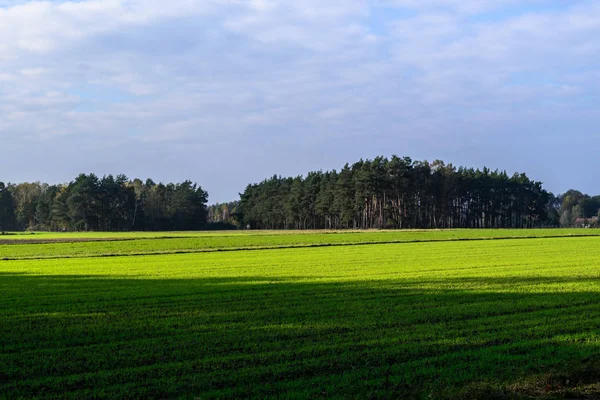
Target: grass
[[96, 245], [471, 319]]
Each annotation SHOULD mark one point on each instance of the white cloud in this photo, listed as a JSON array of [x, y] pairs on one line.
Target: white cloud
[[45, 26]]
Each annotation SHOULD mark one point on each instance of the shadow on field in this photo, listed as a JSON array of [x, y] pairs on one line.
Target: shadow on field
[[89, 336]]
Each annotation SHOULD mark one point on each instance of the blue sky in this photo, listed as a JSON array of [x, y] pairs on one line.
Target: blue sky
[[228, 92]]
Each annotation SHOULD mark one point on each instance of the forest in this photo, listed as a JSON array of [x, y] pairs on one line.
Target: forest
[[89, 203], [399, 193], [394, 193]]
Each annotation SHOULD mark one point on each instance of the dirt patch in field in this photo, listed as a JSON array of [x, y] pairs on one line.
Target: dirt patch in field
[[579, 381]]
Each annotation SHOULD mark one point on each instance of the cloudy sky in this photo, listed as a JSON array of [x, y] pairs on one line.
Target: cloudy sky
[[228, 92]]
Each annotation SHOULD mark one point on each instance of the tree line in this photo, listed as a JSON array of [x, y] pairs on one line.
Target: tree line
[[399, 193], [224, 216], [395, 193], [90, 203], [576, 209]]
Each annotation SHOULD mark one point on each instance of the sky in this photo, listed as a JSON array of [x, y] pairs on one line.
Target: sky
[[229, 92]]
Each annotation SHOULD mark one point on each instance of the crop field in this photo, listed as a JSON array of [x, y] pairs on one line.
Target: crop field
[[27, 246], [405, 314]]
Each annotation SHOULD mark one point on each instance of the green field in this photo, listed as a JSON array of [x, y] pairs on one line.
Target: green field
[[53, 245], [405, 314]]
